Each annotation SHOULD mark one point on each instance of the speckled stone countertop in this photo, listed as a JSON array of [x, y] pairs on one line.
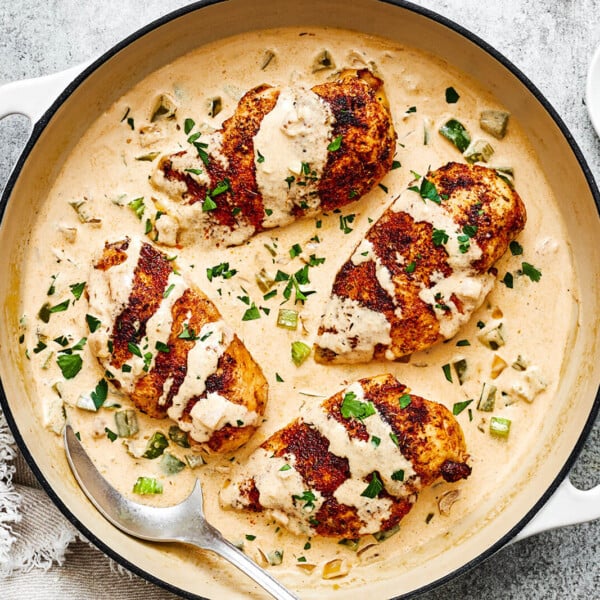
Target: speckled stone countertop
[[551, 41]]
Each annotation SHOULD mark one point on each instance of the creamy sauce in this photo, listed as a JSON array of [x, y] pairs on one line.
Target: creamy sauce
[[295, 133], [537, 316]]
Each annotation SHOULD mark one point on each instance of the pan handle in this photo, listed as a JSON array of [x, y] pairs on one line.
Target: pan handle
[[567, 506], [32, 97]]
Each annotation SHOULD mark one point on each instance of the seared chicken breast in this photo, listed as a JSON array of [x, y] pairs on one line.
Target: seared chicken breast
[[422, 268], [353, 465], [285, 153], [164, 343]]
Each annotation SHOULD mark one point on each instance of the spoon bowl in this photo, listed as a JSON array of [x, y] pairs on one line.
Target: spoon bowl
[[183, 522]]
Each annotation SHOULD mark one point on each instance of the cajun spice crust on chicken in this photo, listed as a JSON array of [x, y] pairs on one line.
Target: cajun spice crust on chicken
[[422, 268], [285, 153], [166, 345], [353, 465]]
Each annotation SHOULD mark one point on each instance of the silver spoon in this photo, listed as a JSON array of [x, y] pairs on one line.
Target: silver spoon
[[183, 522]]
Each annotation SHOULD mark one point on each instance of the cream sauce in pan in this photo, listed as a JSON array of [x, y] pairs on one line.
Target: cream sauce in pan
[[111, 166]]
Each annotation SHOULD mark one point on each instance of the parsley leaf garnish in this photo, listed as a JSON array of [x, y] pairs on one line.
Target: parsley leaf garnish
[[351, 407], [531, 271], [375, 486]]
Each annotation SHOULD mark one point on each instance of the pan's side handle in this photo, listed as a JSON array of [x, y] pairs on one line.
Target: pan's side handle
[[567, 506], [32, 97]]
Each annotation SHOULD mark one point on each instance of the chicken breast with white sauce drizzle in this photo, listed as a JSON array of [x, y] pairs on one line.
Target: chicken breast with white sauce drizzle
[[422, 268], [164, 343], [285, 153], [354, 464]]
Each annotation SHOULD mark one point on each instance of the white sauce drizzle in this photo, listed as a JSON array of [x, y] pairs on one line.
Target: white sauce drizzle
[[214, 412], [352, 321], [297, 131], [277, 485], [213, 340]]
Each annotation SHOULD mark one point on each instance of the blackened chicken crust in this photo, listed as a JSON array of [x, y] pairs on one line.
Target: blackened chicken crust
[[238, 377], [473, 196], [361, 118], [427, 435]]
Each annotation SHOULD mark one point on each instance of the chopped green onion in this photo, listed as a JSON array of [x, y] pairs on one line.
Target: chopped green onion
[[460, 367], [194, 460], [275, 557], [156, 445], [287, 318], [300, 352], [126, 423], [178, 436], [494, 122], [478, 151], [111, 435], [494, 338], [487, 398], [500, 427], [381, 536], [455, 131], [264, 281], [77, 289], [171, 465], [147, 485]]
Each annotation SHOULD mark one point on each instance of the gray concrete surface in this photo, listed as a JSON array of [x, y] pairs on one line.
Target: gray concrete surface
[[551, 41]]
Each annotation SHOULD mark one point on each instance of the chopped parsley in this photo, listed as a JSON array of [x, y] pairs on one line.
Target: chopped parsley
[[404, 400], [335, 144], [410, 267], [162, 347], [463, 343], [187, 333], [398, 475], [100, 393], [111, 435], [308, 498], [259, 157], [344, 220], [460, 406], [47, 310], [220, 270], [374, 488], [439, 237], [52, 288], [427, 191], [508, 280], [92, 322], [208, 204], [411, 109], [515, 248], [70, 364], [251, 314], [531, 271], [396, 164], [452, 95], [447, 372], [375, 441], [295, 250], [384, 188], [353, 408], [285, 467], [77, 289], [188, 125]]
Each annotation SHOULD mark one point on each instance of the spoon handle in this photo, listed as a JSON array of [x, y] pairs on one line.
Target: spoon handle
[[211, 539]]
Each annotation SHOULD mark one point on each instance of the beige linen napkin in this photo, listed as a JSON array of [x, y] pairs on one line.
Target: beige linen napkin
[[42, 555]]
